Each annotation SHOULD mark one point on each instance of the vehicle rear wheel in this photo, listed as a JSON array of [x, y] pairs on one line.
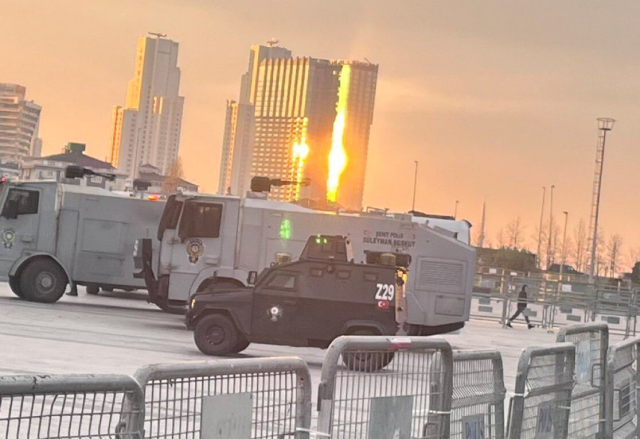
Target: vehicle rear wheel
[[216, 334], [363, 361], [43, 281], [93, 289], [15, 286]]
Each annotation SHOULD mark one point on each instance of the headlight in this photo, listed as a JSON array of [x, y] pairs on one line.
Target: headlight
[[193, 302]]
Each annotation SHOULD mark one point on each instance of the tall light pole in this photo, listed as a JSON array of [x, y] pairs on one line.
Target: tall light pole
[[415, 182], [544, 193], [549, 255], [605, 125], [455, 212], [564, 242]]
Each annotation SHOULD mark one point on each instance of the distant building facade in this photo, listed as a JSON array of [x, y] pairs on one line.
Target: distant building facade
[[282, 127], [152, 175], [147, 129], [19, 124], [53, 168], [237, 147]]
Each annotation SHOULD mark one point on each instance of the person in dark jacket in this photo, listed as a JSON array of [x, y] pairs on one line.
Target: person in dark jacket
[[522, 305]]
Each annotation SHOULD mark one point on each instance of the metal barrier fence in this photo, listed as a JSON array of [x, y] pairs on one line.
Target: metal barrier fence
[[541, 404], [588, 398], [477, 407], [388, 387], [70, 407], [555, 304], [622, 383], [256, 398]]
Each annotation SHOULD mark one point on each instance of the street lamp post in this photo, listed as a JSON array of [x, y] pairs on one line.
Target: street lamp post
[[549, 255], [564, 242], [544, 193]]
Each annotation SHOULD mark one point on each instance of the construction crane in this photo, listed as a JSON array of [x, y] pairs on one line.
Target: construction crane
[[158, 35], [272, 42], [605, 125]]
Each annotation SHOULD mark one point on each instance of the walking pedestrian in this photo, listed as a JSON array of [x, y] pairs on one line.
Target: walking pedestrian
[[522, 305]]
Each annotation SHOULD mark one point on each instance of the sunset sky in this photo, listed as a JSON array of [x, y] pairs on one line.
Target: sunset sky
[[495, 99]]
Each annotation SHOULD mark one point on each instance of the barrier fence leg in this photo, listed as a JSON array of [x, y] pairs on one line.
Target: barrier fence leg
[[505, 300]]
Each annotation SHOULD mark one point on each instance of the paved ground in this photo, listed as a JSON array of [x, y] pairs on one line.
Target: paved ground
[[119, 332]]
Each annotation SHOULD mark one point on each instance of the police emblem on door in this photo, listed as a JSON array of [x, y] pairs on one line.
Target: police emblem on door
[[195, 249], [274, 313], [8, 237]]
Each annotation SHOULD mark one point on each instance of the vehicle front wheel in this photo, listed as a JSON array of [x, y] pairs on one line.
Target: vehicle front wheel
[[216, 334], [243, 344], [14, 284], [42, 280]]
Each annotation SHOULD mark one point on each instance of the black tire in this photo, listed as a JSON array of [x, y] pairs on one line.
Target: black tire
[[243, 344], [93, 289], [366, 361], [106, 289], [42, 280], [15, 286], [216, 334]]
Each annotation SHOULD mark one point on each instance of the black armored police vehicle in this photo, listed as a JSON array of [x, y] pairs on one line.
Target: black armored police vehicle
[[308, 302]]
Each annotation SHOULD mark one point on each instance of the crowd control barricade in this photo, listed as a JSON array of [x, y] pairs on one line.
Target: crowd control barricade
[[588, 398], [376, 387], [477, 407], [70, 407], [248, 398], [622, 382], [541, 404]]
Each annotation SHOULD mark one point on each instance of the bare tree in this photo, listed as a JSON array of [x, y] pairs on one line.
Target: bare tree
[[500, 238], [613, 252], [579, 250], [600, 262], [633, 257], [515, 231], [173, 178], [539, 241]]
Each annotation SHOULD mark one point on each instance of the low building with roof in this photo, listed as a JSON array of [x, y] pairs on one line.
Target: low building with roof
[[153, 175], [53, 167]]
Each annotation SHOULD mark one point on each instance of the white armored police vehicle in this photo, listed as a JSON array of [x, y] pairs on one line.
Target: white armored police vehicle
[[54, 234], [218, 242]]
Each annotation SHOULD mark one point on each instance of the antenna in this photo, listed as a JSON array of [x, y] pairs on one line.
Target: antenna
[[157, 34], [272, 42], [368, 62]]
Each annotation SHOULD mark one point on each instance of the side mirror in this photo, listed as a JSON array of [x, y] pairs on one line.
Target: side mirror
[[10, 210]]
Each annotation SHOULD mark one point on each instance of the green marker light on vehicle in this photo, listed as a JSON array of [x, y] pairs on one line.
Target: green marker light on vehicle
[[285, 229]]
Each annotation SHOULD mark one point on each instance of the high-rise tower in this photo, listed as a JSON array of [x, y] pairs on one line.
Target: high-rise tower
[[283, 125], [19, 123], [147, 128]]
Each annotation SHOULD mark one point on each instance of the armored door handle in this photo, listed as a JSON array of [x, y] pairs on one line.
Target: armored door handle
[[26, 238]]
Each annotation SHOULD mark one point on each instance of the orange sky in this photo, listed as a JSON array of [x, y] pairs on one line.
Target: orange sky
[[495, 99]]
